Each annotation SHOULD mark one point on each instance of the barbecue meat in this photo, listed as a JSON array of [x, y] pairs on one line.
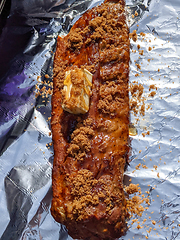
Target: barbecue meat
[[91, 149]]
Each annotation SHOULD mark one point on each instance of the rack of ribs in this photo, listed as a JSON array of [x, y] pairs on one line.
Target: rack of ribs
[[90, 124]]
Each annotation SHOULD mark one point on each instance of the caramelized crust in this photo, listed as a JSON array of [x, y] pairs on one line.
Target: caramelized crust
[[91, 150]]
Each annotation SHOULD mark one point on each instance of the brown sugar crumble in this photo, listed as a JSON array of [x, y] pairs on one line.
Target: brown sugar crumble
[[132, 188], [88, 191], [152, 94], [80, 143], [75, 40], [136, 13], [141, 52], [111, 98], [152, 86], [46, 76], [43, 88], [133, 35], [138, 66], [147, 133], [142, 34], [137, 104]]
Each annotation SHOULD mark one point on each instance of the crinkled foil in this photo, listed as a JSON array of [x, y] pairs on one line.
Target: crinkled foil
[[27, 44]]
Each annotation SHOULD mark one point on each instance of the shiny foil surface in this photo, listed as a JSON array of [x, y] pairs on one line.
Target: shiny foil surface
[[27, 46]]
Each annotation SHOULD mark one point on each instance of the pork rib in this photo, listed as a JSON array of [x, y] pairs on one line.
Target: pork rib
[[91, 149]]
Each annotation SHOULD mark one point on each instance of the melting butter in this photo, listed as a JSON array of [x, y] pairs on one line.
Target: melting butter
[[77, 91]]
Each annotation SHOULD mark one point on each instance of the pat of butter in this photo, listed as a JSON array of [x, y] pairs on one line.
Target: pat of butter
[[77, 90]]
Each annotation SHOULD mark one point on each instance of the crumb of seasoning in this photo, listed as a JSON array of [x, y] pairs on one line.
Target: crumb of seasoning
[[153, 222], [137, 75], [139, 227], [147, 133], [137, 167], [46, 76], [144, 220], [141, 52], [136, 13], [137, 101], [144, 166], [149, 48], [43, 88], [142, 34], [138, 66], [133, 35], [155, 167], [152, 86], [152, 94], [132, 188], [149, 230]]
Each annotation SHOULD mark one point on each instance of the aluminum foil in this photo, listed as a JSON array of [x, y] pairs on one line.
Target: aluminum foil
[[27, 44]]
